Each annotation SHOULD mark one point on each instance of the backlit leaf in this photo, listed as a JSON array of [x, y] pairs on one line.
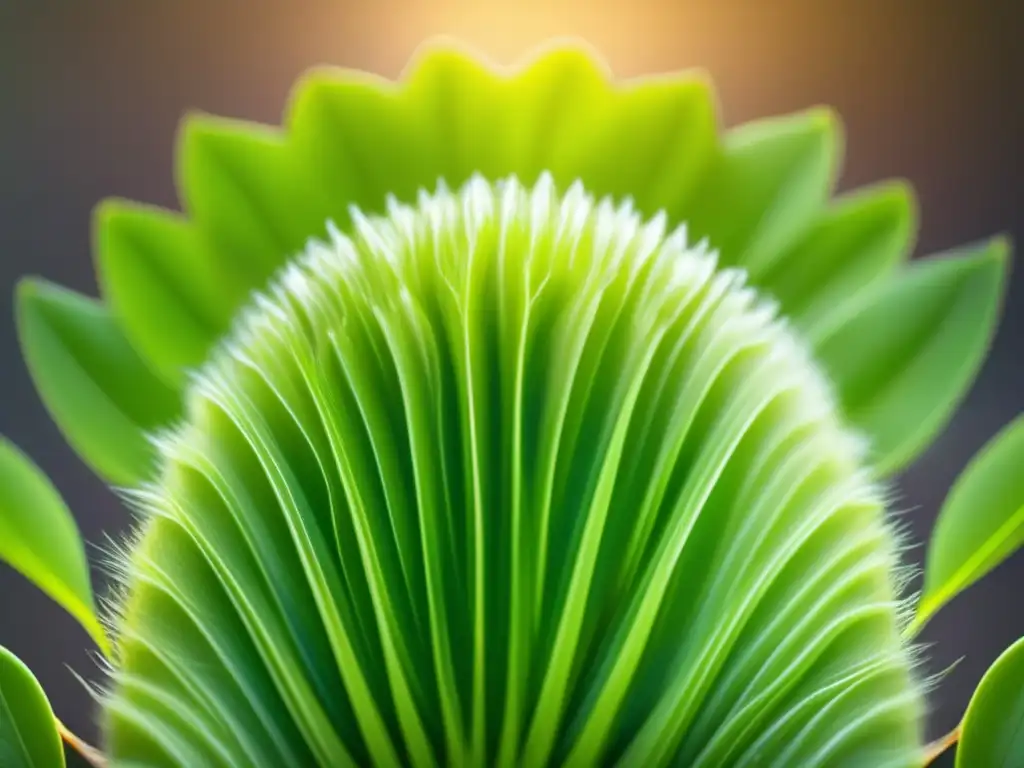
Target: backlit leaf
[[39, 538], [981, 523]]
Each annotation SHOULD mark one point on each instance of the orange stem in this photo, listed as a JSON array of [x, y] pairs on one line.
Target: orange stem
[[91, 755], [939, 746]]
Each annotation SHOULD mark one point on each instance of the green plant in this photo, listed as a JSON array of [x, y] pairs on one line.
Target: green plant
[[516, 471]]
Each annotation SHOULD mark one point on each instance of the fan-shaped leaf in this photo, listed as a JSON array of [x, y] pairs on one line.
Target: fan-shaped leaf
[[165, 283], [766, 187], [981, 523], [461, 482], [96, 387], [39, 538], [859, 240], [28, 730], [993, 728], [904, 354]]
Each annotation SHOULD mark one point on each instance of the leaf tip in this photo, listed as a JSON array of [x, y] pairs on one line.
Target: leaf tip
[[30, 291], [1001, 250]]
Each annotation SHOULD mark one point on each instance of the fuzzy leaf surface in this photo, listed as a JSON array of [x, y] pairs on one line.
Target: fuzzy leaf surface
[[512, 477]]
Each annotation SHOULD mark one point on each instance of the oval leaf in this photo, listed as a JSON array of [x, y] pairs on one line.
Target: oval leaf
[[993, 729], [861, 238], [99, 391], [903, 355], [39, 538], [765, 189], [28, 729], [981, 523]]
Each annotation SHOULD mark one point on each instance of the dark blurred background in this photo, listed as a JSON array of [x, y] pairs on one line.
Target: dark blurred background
[[91, 93]]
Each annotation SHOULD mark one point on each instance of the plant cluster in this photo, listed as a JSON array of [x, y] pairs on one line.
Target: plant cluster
[[512, 417]]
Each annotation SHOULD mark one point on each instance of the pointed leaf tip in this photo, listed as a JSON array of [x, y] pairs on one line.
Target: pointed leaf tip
[[768, 184], [859, 240], [164, 283], [904, 354], [39, 538], [982, 522], [28, 729], [96, 387], [241, 183]]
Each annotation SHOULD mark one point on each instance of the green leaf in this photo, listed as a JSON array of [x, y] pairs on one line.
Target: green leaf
[[993, 729], [471, 532], [165, 283], [366, 137], [650, 139], [981, 523], [904, 354], [860, 239], [653, 142], [39, 538], [96, 387], [361, 141], [239, 181], [766, 187], [28, 729]]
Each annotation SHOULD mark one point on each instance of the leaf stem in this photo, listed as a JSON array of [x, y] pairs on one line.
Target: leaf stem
[[940, 745], [91, 755]]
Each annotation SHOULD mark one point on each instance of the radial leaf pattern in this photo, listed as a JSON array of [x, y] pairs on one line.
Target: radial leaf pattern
[[511, 477], [253, 195]]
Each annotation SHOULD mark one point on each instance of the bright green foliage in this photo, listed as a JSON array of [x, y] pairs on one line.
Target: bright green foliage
[[766, 187], [253, 196], [95, 384], [39, 538], [860, 240], [161, 277], [993, 728], [506, 476], [513, 479], [981, 523], [28, 730], [905, 352]]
